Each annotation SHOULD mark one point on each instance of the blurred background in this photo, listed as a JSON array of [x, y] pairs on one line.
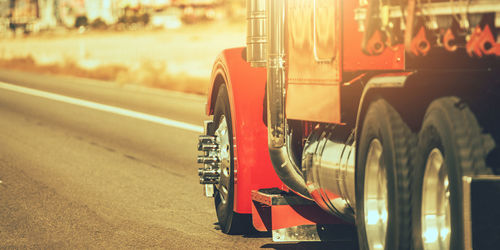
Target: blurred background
[[96, 150], [167, 44]]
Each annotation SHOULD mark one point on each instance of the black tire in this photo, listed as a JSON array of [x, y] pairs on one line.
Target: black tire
[[382, 122], [229, 221], [451, 127]]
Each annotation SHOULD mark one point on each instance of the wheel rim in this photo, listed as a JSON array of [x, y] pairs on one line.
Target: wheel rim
[[224, 155], [435, 215], [375, 196]]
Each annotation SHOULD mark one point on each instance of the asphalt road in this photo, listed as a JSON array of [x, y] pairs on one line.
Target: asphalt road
[[75, 177]]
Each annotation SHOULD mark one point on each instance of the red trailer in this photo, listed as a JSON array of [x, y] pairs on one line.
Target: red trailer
[[376, 117]]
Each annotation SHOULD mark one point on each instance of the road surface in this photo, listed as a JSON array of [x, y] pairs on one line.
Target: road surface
[[74, 176]]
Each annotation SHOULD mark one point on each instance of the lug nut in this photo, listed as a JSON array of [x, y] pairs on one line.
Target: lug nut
[[211, 181], [206, 143], [208, 159], [207, 147], [206, 138], [209, 172]]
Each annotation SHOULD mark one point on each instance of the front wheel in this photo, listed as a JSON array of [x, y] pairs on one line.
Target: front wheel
[[229, 221], [383, 179]]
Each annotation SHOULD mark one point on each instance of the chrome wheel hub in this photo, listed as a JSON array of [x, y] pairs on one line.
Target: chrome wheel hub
[[216, 158], [435, 213], [375, 196]]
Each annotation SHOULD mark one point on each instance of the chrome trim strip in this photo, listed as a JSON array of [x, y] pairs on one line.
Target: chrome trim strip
[[466, 182]]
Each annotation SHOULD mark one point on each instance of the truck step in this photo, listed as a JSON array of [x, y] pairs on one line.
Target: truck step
[[292, 218], [276, 196]]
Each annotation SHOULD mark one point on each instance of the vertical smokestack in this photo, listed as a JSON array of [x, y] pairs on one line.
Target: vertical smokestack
[[284, 164], [276, 73], [256, 33]]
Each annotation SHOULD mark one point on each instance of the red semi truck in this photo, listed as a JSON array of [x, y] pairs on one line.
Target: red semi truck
[[370, 120]]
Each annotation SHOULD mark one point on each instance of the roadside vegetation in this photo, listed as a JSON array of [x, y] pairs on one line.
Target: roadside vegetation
[[177, 59]]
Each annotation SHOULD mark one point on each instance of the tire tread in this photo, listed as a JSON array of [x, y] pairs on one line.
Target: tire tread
[[230, 222], [461, 130], [472, 145], [405, 142]]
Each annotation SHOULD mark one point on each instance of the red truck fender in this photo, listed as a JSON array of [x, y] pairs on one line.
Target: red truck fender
[[246, 89]]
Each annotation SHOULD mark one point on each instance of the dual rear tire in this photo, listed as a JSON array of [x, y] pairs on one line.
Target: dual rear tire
[[451, 145], [409, 185]]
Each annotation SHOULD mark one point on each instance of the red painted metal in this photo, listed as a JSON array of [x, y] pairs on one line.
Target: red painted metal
[[448, 39], [392, 58], [246, 88], [472, 46], [375, 46], [420, 46], [482, 43], [267, 216], [261, 217], [487, 42]]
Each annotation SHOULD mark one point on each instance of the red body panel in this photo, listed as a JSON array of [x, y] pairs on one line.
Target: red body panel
[[353, 57], [267, 218], [246, 89], [269, 215]]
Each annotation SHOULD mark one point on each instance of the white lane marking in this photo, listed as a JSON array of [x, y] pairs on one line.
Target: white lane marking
[[102, 107]]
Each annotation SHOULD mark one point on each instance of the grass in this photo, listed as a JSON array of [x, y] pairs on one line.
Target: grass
[[146, 74], [179, 60]]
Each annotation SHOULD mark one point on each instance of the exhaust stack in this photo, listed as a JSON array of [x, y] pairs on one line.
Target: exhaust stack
[[284, 163], [256, 33], [265, 48]]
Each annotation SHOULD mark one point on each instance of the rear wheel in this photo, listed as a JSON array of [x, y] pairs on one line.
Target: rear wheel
[[229, 221], [383, 179], [451, 145]]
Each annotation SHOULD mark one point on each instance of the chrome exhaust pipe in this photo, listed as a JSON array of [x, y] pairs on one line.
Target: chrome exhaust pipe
[[284, 163], [256, 33]]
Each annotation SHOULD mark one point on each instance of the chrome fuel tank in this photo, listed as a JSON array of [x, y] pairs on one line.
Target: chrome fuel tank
[[328, 164]]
